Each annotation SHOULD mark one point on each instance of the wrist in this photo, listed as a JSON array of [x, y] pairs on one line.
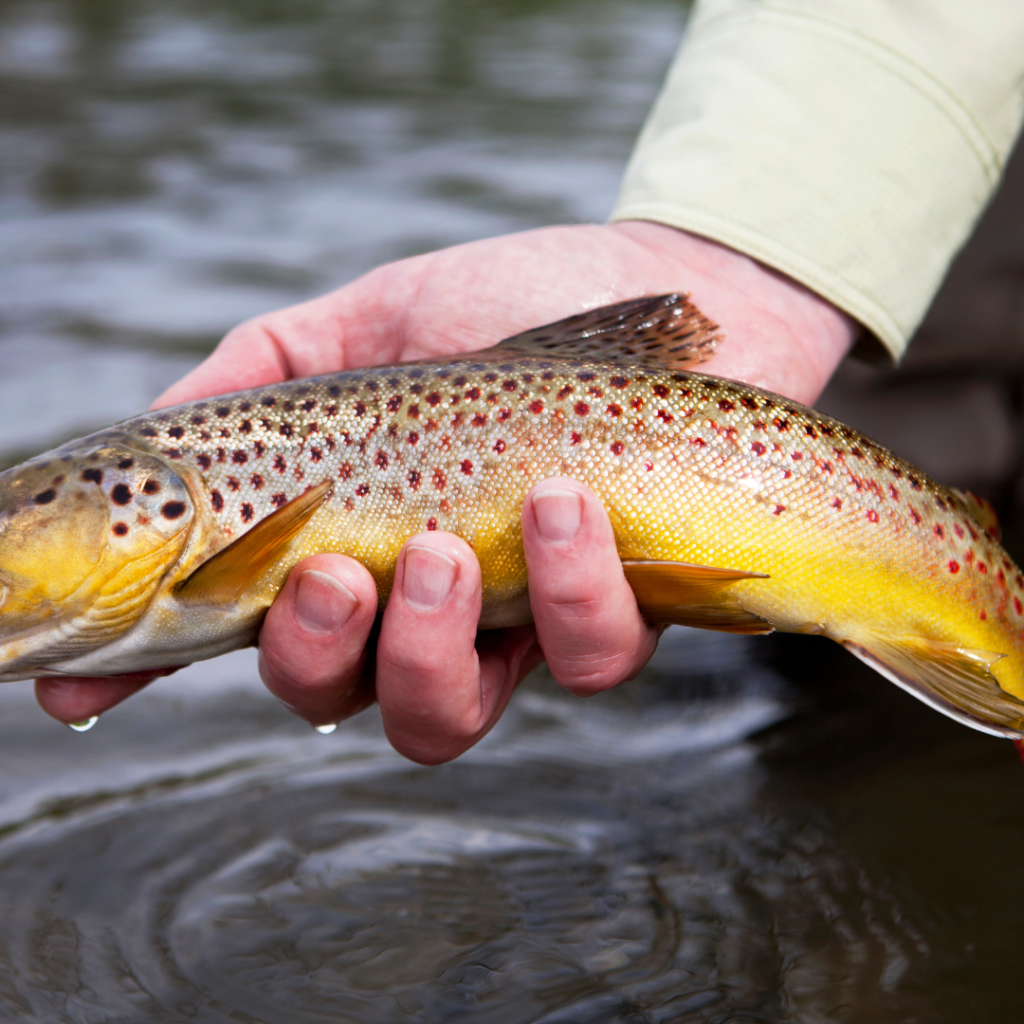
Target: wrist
[[777, 334]]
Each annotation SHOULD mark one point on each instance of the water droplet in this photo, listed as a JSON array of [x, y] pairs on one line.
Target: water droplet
[[326, 730], [85, 725]]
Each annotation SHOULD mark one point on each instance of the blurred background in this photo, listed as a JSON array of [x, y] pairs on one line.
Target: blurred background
[[756, 830]]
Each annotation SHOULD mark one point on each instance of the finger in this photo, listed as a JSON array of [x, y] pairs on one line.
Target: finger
[[313, 640], [353, 326], [437, 695], [586, 616], [74, 699]]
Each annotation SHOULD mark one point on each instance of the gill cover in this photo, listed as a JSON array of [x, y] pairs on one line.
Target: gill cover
[[86, 534]]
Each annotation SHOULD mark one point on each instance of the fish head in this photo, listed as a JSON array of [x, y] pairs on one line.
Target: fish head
[[87, 533]]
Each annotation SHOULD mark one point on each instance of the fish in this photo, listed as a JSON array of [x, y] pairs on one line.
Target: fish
[[162, 540]]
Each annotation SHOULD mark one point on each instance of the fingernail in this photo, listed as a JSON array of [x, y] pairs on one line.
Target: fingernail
[[558, 515], [85, 725], [429, 578], [323, 604]]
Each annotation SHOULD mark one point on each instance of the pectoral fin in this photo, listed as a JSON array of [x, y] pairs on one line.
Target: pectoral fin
[[664, 330], [229, 573], [953, 680], [692, 595]]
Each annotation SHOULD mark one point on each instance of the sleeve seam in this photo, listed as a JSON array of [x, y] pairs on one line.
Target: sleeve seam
[[919, 78]]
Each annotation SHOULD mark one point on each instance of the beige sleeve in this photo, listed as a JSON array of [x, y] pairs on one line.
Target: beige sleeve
[[851, 144]]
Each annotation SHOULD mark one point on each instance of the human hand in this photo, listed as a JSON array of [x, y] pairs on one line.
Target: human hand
[[439, 685]]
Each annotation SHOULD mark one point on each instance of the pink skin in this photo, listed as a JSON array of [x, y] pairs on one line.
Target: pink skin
[[439, 686]]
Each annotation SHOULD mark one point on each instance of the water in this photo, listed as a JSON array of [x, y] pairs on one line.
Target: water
[[757, 830]]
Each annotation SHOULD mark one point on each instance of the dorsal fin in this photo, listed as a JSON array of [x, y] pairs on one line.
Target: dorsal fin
[[229, 573], [692, 595], [981, 512], [665, 330], [951, 679]]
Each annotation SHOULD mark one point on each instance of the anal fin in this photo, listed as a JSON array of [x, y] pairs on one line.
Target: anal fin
[[229, 573], [692, 595], [953, 680]]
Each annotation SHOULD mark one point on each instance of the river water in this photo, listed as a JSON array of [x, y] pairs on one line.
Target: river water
[[756, 830]]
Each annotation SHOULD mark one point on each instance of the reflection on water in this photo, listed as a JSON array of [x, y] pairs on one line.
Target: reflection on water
[[755, 831]]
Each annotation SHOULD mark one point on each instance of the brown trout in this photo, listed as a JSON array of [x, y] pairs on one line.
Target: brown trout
[[164, 539]]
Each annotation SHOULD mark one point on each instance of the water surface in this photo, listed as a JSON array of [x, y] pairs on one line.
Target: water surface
[[757, 830]]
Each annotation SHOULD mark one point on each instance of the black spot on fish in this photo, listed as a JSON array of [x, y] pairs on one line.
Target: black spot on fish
[[93, 475], [121, 494], [151, 487], [45, 497], [247, 512], [217, 500], [121, 529], [126, 464]]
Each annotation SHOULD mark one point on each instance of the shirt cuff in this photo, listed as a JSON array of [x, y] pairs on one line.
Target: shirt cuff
[[821, 152]]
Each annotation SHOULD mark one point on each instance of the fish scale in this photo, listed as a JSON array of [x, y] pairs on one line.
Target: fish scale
[[732, 507]]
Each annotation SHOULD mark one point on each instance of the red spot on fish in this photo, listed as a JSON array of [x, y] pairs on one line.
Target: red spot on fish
[[239, 457], [537, 407], [871, 515], [277, 500], [893, 493], [914, 482], [413, 437], [749, 402], [172, 453], [757, 448], [440, 481], [797, 456], [221, 453], [279, 464], [176, 432], [394, 403], [233, 483], [499, 446], [381, 459], [473, 394], [779, 509], [247, 512], [574, 438], [286, 430], [316, 454], [245, 426], [121, 529], [581, 408], [781, 425], [203, 461], [1001, 578], [362, 490], [617, 447], [467, 467], [836, 503], [345, 470], [648, 465], [982, 568], [217, 500], [954, 567], [982, 615], [360, 408], [619, 382], [856, 453], [698, 441], [331, 410], [958, 530], [725, 405], [510, 385], [664, 415], [662, 392], [431, 523], [637, 403], [614, 410], [939, 531], [414, 480], [1017, 606], [565, 392], [256, 480], [479, 419]]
